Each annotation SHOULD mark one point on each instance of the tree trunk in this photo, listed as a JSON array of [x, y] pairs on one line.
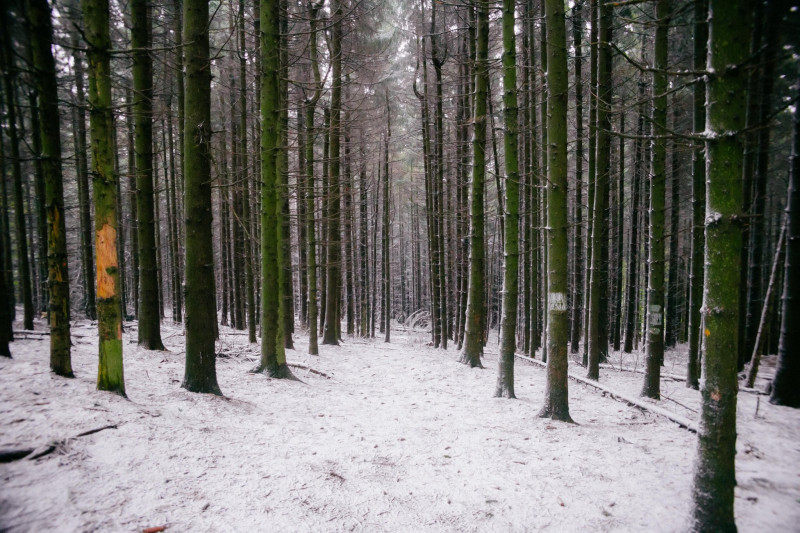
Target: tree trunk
[[766, 310], [619, 246], [286, 283], [655, 279], [313, 11], [386, 285], [273, 351], [475, 316], [508, 344], [149, 316], [672, 327], [786, 385], [244, 178], [201, 374], [58, 272], [330, 334], [715, 473], [81, 164], [598, 313], [9, 73], [592, 177], [104, 180], [577, 299], [698, 196], [556, 404], [6, 277], [758, 213], [632, 285]]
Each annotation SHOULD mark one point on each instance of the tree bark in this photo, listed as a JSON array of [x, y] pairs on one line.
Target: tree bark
[[149, 316], [273, 351], [556, 404], [330, 334], [57, 268], [655, 279], [577, 299], [508, 343], [598, 314], [201, 373], [104, 181], [698, 196], [475, 316], [715, 473], [9, 73], [786, 385]]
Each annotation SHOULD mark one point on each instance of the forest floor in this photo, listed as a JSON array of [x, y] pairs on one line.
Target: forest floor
[[393, 437]]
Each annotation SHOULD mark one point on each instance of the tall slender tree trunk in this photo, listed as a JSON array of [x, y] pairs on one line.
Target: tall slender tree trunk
[[149, 316], [387, 294], [6, 277], [82, 171], [58, 271], [632, 284], [698, 196], [619, 246], [598, 312], [672, 315], [759, 217], [508, 343], [655, 279], [40, 286], [273, 351], [577, 299], [330, 334], [715, 473], [313, 11], [244, 177], [476, 311], [104, 181], [286, 283], [592, 177], [786, 385], [201, 311], [556, 405], [9, 74]]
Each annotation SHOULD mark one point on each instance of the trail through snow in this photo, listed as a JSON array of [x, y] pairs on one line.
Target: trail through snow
[[400, 437]]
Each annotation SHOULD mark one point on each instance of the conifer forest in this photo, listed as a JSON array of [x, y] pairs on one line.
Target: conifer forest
[[399, 265]]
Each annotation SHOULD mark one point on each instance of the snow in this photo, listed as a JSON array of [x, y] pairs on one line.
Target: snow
[[399, 437]]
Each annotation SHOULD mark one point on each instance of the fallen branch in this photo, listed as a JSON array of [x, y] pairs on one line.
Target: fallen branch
[[635, 402], [9, 456], [621, 368], [301, 366]]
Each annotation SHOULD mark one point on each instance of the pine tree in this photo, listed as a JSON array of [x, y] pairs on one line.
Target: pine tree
[[785, 386], [556, 404], [698, 196], [655, 280], [104, 183], [201, 313], [475, 316], [149, 315], [508, 343], [58, 272], [714, 475], [273, 351]]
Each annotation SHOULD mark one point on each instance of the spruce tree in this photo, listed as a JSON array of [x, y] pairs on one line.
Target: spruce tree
[[201, 313]]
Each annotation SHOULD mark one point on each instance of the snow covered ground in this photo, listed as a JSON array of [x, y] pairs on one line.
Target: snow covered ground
[[397, 437]]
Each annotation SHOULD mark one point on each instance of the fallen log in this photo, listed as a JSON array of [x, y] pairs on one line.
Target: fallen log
[[635, 402]]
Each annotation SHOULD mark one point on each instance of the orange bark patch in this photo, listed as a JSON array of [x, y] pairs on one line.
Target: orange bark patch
[[106, 242]]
